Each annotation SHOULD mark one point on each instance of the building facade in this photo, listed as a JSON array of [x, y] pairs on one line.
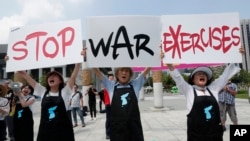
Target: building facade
[[245, 40]]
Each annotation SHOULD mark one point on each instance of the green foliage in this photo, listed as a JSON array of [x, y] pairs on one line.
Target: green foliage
[[242, 77], [185, 77], [42, 79], [149, 82], [167, 81]]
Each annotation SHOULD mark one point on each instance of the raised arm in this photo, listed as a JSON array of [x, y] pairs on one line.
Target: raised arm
[[24, 74], [27, 77], [170, 66], [146, 71], [73, 76], [25, 103], [96, 70], [162, 55], [98, 73]]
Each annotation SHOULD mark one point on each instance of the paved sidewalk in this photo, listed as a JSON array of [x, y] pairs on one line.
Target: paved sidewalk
[[167, 124]]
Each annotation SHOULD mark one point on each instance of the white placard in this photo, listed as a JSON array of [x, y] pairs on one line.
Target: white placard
[[45, 45], [123, 41], [201, 38]]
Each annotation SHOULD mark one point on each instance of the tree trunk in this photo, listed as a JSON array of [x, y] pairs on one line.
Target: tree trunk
[[158, 89], [86, 79]]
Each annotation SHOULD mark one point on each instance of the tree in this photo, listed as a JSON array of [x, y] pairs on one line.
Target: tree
[[42, 79], [242, 79], [167, 82], [149, 82]]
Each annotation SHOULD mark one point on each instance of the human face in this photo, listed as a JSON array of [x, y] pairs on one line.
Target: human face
[[123, 75], [200, 79], [75, 87], [7, 84], [26, 90], [111, 77], [54, 80]]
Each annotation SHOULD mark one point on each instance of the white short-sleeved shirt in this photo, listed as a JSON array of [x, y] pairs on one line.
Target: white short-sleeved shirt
[[5, 106], [66, 93], [31, 97], [75, 99]]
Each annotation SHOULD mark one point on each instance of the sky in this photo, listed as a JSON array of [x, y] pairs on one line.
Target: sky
[[18, 13]]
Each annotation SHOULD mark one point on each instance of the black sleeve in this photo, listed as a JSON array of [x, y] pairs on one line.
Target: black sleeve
[[80, 94]]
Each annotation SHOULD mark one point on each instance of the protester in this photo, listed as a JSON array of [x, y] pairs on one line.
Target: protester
[[125, 121], [227, 103], [203, 119], [23, 116], [54, 122], [4, 111], [92, 93], [9, 118], [76, 104]]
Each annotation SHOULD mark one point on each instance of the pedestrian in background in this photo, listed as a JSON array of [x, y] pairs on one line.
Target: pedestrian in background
[[101, 100], [76, 103], [227, 103], [92, 93]]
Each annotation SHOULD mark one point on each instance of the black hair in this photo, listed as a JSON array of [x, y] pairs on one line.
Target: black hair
[[31, 89]]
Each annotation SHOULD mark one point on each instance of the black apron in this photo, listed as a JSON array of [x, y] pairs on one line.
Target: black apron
[[203, 122], [23, 123], [54, 123], [125, 122]]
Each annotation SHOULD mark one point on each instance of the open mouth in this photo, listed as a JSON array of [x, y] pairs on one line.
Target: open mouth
[[202, 79], [123, 77]]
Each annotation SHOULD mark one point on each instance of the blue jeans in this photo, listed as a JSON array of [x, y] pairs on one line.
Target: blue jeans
[[78, 110]]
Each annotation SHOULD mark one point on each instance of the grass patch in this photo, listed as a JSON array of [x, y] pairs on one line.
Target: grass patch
[[242, 94]]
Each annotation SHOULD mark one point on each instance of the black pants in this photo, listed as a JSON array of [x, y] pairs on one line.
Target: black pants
[[9, 125], [69, 115], [2, 130], [92, 108]]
